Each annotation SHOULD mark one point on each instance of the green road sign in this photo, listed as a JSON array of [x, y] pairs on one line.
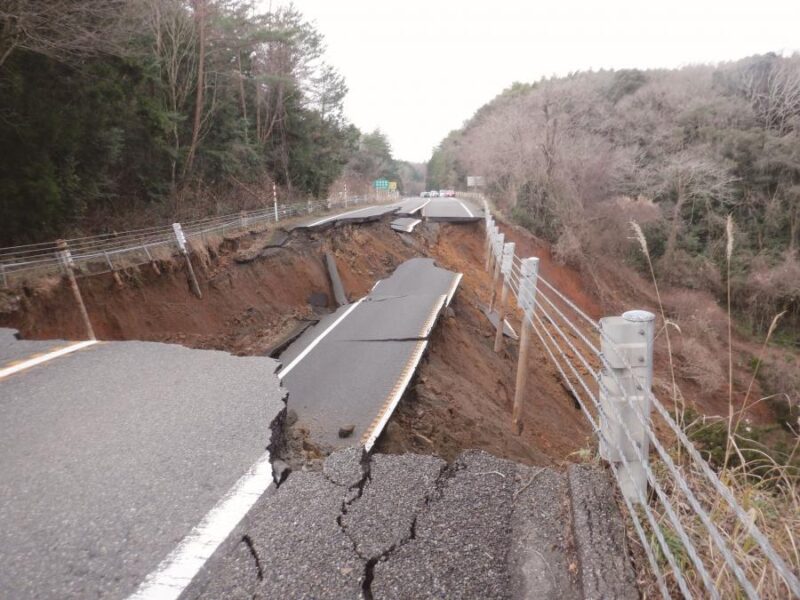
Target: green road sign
[[381, 184]]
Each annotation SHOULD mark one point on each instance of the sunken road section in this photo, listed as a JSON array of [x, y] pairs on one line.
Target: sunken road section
[[350, 371]]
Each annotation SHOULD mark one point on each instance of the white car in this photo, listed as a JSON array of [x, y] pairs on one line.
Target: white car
[[424, 195], [434, 194]]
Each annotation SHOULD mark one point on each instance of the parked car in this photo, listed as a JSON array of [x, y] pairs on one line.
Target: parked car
[[433, 194], [424, 195]]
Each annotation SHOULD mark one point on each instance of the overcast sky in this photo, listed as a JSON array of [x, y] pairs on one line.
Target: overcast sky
[[419, 68]]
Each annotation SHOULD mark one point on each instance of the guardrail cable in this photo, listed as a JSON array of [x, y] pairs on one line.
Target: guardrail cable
[[544, 288]]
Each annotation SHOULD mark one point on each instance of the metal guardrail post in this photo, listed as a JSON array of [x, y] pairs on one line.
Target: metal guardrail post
[[275, 200], [489, 231], [498, 246], [627, 347], [152, 261], [181, 239], [114, 273], [505, 269], [527, 302], [65, 258], [3, 277], [243, 220]]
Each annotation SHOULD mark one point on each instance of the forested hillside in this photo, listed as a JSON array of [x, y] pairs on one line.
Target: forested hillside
[[135, 111], [576, 158]]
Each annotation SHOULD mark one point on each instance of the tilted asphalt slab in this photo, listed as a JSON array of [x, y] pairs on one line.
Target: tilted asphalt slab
[[405, 224], [353, 367], [412, 526], [111, 455], [358, 215], [455, 210]]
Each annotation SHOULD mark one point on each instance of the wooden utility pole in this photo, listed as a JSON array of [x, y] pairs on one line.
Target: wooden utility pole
[[65, 256], [181, 239], [527, 302]]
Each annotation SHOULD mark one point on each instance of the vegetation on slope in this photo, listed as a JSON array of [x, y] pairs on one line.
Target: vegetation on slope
[[575, 158], [115, 111]]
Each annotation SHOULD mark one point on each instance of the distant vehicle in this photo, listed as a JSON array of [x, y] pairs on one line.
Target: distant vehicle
[[424, 195], [433, 194]]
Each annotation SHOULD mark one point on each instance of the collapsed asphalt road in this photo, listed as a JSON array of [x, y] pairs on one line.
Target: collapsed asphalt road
[[453, 210], [346, 375], [114, 453]]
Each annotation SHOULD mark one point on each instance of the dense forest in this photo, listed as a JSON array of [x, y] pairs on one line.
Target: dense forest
[[576, 158], [115, 113]]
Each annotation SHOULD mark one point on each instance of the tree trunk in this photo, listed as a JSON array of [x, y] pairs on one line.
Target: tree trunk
[[200, 20]]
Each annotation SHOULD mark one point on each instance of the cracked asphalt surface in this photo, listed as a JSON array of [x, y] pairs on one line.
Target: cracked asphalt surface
[[412, 526]]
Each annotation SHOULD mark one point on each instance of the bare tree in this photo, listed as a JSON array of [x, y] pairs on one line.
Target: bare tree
[[64, 30]]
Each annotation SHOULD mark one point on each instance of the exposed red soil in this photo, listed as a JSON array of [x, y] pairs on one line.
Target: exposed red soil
[[463, 394]]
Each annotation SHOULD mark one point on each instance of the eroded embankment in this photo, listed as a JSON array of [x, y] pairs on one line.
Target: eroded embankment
[[253, 296]]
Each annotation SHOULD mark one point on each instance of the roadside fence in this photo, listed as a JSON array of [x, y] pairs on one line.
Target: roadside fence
[[607, 366], [113, 252]]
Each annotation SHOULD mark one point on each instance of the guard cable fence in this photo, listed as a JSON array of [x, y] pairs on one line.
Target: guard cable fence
[[112, 252], [697, 544]]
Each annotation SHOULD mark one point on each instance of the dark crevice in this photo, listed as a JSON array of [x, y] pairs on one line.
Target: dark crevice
[[249, 543], [445, 473], [369, 575]]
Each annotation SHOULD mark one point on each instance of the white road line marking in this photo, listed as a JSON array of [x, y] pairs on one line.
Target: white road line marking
[[285, 371], [27, 364], [173, 575], [339, 216], [400, 389], [420, 207], [453, 288], [469, 212]]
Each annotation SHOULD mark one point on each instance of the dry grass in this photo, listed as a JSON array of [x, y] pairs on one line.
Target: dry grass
[[765, 484]]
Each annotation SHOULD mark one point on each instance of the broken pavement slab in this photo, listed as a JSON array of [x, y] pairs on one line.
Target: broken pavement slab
[[508, 330], [353, 367], [405, 224], [600, 538]]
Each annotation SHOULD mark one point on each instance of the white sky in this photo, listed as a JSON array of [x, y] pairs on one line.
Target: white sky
[[419, 68]]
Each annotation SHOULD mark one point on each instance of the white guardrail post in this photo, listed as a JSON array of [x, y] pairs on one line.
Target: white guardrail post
[[526, 299], [627, 347], [497, 250], [275, 200], [489, 230], [181, 239], [65, 258], [505, 270]]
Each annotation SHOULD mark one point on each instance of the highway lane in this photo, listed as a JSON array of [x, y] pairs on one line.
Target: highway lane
[[453, 210], [357, 362], [114, 454], [14, 351]]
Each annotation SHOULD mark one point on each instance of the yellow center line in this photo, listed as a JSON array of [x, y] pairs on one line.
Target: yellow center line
[[43, 358]]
